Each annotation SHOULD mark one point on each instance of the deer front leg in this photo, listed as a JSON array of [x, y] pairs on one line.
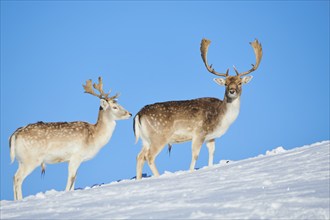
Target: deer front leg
[[211, 147], [196, 148], [73, 167]]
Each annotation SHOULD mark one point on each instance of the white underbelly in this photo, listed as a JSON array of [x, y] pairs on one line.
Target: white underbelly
[[181, 136]]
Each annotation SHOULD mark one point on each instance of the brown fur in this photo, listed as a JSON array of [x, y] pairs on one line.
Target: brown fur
[[202, 110]]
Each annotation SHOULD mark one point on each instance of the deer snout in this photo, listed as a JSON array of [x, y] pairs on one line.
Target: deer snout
[[232, 91], [128, 114]]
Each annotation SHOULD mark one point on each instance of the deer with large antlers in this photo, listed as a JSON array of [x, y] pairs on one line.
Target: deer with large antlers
[[73, 142], [197, 120]]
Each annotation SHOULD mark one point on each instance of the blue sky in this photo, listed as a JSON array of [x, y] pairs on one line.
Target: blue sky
[[149, 52]]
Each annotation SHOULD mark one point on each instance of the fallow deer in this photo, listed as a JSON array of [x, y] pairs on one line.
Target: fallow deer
[[72, 142], [197, 120]]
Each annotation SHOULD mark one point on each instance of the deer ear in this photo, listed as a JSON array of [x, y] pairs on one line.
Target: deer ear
[[220, 81], [104, 104], [246, 79]]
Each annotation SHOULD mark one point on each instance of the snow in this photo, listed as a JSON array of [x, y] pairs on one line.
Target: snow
[[287, 184], [277, 150]]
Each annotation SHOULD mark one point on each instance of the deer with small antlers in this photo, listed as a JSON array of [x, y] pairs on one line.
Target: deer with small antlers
[[72, 142], [197, 120]]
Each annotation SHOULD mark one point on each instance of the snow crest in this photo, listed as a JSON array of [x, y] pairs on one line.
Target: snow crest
[[275, 151]]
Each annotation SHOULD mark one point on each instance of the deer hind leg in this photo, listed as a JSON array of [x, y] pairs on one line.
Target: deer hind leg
[[211, 147], [151, 156], [196, 148], [22, 172], [141, 158], [73, 167]]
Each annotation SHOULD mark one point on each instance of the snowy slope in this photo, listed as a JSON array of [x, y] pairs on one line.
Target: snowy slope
[[281, 184]]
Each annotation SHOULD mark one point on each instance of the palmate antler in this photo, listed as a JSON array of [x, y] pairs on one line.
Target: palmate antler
[[204, 48], [258, 53], [99, 87]]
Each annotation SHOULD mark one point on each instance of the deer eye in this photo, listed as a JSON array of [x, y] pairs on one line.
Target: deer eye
[[114, 107]]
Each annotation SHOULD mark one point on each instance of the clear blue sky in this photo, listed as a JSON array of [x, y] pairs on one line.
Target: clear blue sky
[[149, 52]]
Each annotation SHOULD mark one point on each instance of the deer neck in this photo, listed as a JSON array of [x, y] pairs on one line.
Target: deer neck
[[231, 102], [104, 126], [232, 107], [229, 110]]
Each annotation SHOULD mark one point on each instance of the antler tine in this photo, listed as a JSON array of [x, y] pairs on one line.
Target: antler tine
[[115, 96], [99, 87], [257, 48], [237, 73], [89, 89], [204, 48]]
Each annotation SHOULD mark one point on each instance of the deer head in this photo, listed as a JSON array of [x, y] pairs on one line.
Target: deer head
[[106, 102], [233, 84]]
